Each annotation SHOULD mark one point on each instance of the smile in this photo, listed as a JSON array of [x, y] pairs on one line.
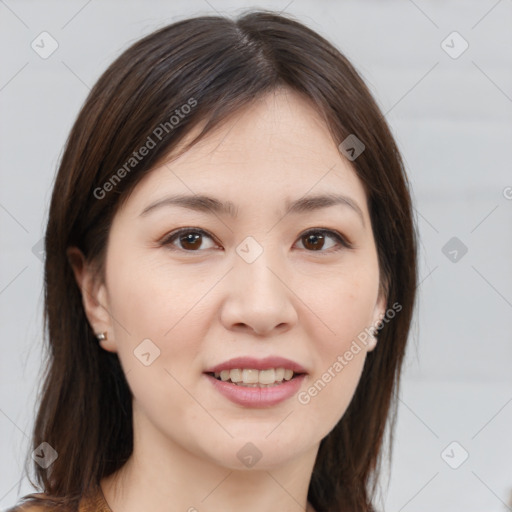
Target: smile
[[251, 377]]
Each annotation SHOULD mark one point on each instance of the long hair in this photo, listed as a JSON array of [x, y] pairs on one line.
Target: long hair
[[214, 65]]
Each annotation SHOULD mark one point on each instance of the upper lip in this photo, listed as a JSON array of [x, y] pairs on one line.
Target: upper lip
[[257, 364]]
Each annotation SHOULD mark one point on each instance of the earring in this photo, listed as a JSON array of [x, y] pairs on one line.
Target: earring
[[102, 336]]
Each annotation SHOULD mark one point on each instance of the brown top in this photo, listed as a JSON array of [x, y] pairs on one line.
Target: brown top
[[92, 502]]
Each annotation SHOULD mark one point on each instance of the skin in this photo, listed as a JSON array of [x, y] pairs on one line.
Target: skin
[[203, 306]]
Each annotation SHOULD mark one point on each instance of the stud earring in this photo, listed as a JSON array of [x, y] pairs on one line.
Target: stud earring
[[102, 336]]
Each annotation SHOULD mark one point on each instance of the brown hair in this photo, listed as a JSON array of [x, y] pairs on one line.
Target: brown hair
[[217, 65]]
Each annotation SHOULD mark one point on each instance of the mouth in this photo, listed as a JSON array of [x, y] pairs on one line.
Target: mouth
[[254, 378], [257, 383]]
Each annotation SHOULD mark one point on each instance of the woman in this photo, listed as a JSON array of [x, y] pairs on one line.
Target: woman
[[230, 233]]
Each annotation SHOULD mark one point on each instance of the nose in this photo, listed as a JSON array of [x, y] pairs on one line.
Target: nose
[[258, 299]]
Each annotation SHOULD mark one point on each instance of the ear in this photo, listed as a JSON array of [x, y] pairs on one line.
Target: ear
[[379, 311], [94, 297], [380, 308]]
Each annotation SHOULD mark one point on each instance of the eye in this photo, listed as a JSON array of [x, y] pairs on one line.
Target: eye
[[314, 240], [190, 239]]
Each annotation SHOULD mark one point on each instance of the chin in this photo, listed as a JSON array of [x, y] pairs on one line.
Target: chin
[[258, 453]]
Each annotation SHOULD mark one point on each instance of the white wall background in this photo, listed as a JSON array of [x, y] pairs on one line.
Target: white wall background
[[452, 118]]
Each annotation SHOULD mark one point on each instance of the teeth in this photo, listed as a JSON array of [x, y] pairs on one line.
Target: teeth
[[253, 378], [267, 376], [235, 375], [250, 376]]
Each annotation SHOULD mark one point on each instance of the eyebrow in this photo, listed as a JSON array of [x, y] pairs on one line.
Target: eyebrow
[[209, 204]]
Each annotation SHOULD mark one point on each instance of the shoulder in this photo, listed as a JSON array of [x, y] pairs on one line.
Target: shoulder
[[28, 504], [40, 502], [28, 507]]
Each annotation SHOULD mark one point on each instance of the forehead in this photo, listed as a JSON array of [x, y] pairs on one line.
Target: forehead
[[277, 148]]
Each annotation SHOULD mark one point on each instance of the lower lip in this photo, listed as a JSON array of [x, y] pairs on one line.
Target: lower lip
[[256, 396]]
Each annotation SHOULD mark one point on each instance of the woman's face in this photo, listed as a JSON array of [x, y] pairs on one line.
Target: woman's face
[[253, 282]]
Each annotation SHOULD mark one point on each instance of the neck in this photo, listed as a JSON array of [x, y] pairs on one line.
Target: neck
[[163, 476]]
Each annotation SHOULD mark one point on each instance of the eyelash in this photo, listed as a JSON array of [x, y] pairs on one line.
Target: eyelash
[[342, 241]]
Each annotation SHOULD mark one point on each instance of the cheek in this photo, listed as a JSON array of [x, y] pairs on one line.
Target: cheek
[[345, 309], [155, 299], [158, 325], [339, 363], [326, 397], [169, 306], [343, 303]]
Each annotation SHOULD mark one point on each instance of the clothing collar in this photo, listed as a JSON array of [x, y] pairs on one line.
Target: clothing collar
[[94, 501]]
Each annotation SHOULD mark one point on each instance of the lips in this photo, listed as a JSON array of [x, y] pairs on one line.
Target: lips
[[245, 391], [257, 364], [257, 396]]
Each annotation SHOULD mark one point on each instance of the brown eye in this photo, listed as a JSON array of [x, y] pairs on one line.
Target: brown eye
[[315, 240], [190, 240]]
